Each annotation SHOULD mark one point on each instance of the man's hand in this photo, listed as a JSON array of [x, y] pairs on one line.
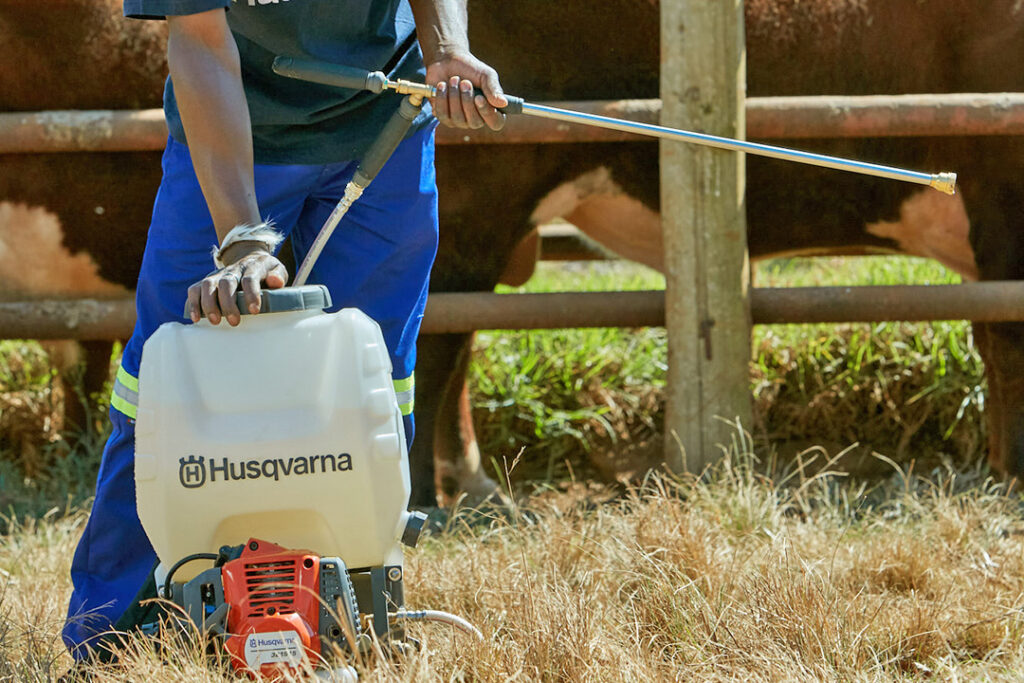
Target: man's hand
[[455, 75], [249, 264]]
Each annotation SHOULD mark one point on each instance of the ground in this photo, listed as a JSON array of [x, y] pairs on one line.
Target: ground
[[739, 577]]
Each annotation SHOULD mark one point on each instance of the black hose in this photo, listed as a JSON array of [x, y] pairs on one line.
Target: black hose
[[183, 561]]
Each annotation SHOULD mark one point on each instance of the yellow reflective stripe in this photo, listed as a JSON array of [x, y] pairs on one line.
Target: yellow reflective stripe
[[405, 393], [123, 406], [126, 379]]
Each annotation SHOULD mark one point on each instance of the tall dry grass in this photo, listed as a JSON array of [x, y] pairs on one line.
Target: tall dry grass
[[739, 575], [752, 572]]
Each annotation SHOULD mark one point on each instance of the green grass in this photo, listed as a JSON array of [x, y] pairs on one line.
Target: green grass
[[573, 401], [557, 392], [909, 391]]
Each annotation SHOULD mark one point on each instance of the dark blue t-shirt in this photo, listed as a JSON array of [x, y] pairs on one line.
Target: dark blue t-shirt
[[295, 122]]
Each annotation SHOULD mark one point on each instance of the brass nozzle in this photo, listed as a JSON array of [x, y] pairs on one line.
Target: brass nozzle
[[944, 182]]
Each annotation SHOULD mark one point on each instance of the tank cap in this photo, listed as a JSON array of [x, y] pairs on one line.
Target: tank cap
[[413, 528], [286, 299]]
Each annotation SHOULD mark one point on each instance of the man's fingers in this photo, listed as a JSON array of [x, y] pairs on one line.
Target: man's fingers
[[467, 101], [440, 104], [277, 277], [226, 289], [494, 119], [215, 295], [208, 300], [494, 98], [456, 114], [192, 304], [251, 287], [491, 87]]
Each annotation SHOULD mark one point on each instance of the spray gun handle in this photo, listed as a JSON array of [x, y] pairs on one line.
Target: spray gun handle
[[515, 104], [354, 78], [327, 73]]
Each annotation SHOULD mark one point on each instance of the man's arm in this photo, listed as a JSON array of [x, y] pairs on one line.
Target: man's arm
[[441, 26], [205, 70]]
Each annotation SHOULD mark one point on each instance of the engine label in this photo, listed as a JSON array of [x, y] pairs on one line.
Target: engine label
[[195, 471], [273, 647]]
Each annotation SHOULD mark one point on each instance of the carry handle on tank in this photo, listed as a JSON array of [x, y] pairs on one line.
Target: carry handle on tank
[[286, 299]]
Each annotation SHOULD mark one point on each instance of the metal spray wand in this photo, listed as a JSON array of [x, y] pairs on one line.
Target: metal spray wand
[[375, 81]]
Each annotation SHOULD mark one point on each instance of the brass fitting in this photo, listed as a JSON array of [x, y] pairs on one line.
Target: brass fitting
[[944, 182], [404, 87]]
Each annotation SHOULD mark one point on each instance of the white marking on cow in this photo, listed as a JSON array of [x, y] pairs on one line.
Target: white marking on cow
[[34, 263], [935, 226], [598, 206], [624, 225], [562, 200]]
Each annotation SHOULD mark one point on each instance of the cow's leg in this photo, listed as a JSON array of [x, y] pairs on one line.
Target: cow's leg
[[96, 355], [65, 358], [522, 261], [1002, 348], [999, 249], [436, 356], [456, 451], [445, 452], [83, 369]]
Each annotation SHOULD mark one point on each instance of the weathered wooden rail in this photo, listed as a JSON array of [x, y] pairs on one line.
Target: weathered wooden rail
[[466, 312], [767, 118]]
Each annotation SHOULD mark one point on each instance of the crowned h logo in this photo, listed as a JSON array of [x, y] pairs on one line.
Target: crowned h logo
[[192, 471]]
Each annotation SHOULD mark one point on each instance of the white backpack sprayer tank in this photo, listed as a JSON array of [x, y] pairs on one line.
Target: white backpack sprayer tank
[[286, 428], [251, 442]]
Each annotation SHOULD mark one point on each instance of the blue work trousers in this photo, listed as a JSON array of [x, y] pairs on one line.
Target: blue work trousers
[[378, 260]]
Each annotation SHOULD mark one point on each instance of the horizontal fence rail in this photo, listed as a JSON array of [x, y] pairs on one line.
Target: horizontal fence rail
[[767, 118], [466, 312]]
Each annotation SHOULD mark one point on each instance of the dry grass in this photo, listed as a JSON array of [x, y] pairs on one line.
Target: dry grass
[[738, 576], [753, 572]]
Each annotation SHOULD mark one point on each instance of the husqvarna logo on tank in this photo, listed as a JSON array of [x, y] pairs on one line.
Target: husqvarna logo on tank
[[195, 471], [192, 472]]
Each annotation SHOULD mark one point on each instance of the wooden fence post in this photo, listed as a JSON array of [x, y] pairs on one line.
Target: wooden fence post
[[703, 84]]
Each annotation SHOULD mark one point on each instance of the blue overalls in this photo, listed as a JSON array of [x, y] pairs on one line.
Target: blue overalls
[[378, 260]]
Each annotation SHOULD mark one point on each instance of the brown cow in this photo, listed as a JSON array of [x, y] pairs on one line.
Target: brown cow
[[609, 50], [75, 224], [99, 204]]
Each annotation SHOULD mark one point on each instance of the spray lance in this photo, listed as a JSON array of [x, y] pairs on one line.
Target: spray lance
[[377, 82]]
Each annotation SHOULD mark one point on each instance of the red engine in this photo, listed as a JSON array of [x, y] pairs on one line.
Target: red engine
[[276, 614]]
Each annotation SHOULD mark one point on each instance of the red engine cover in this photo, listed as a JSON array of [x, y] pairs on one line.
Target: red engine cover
[[274, 611]]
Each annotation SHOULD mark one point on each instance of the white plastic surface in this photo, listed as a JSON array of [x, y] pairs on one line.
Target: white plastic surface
[[285, 428]]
